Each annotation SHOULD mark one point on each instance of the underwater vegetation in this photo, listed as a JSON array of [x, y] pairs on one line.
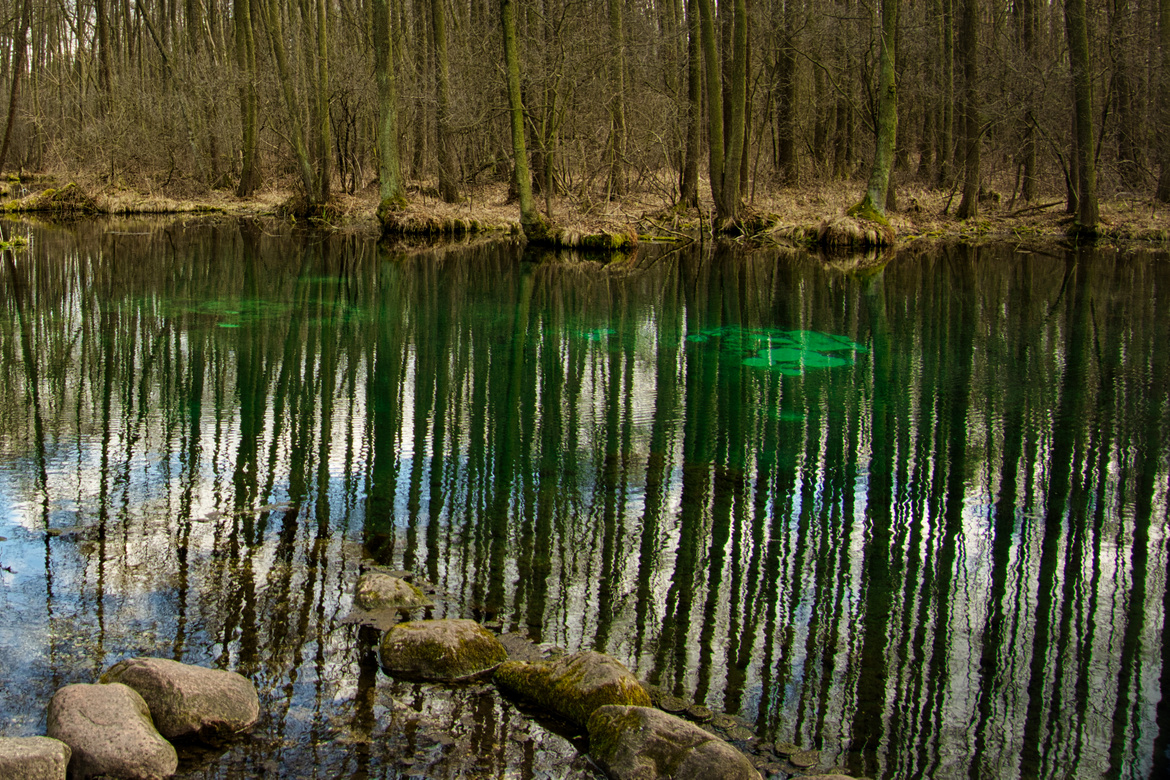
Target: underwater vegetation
[[787, 352]]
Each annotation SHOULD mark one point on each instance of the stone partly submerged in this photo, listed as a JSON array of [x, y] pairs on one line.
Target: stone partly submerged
[[573, 686], [34, 758], [189, 701], [440, 650], [381, 599], [644, 743], [109, 731]]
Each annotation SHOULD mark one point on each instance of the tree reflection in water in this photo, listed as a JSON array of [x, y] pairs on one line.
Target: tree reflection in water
[[940, 555]]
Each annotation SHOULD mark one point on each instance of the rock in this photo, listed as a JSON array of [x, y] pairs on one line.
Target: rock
[[699, 713], [644, 743], [381, 598], [376, 590], [805, 758], [786, 748], [573, 686], [109, 730], [33, 758], [440, 650], [190, 701]]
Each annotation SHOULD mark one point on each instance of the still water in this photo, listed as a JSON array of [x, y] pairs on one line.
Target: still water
[[914, 519]]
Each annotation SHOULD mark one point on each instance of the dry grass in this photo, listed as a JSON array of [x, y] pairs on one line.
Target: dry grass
[[792, 213]]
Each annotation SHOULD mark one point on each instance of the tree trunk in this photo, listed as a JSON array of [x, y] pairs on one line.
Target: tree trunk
[[535, 227], [1163, 104], [292, 103], [391, 193], [1077, 29], [617, 100], [786, 106], [713, 70], [873, 204], [324, 176], [448, 188], [246, 76], [946, 105], [17, 70], [969, 44], [689, 184]]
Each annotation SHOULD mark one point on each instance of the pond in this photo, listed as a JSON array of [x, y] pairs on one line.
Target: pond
[[914, 519]]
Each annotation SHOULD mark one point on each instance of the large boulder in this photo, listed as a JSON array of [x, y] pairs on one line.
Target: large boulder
[[109, 731], [443, 650], [573, 686], [644, 743], [190, 701], [33, 758]]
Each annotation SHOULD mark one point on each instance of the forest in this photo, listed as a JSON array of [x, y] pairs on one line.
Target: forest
[[692, 100]]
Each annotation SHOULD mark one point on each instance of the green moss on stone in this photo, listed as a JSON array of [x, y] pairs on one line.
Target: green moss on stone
[[440, 650], [573, 686]]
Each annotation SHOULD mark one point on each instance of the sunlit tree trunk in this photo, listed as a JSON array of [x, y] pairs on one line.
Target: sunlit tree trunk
[[535, 227], [292, 104], [873, 203], [391, 192]]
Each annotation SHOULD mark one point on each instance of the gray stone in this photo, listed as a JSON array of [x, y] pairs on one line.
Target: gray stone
[[109, 730], [33, 758], [443, 650], [573, 686], [645, 743], [190, 701]]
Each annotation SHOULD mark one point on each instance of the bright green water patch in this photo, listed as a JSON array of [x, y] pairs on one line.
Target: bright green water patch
[[787, 352]]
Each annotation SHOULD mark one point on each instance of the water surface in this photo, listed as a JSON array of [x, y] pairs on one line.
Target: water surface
[[912, 519]]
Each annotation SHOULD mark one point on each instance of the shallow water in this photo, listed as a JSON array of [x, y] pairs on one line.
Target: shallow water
[[914, 519]]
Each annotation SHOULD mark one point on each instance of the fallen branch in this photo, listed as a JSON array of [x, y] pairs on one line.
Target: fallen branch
[[1030, 209]]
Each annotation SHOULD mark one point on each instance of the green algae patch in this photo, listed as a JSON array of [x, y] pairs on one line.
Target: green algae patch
[[783, 351], [440, 650], [573, 686]]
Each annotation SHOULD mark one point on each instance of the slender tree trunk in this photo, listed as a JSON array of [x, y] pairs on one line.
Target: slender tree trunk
[[689, 185], [246, 75], [713, 69], [1163, 101], [617, 100], [324, 145], [1028, 160], [17, 70], [969, 206], [946, 107], [786, 100], [292, 103], [873, 204], [391, 192], [535, 227], [448, 188], [103, 36], [1077, 30]]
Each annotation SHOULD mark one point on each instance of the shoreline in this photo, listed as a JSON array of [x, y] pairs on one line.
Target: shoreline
[[802, 217]]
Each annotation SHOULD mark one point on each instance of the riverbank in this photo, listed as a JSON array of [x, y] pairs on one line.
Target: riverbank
[[797, 215]]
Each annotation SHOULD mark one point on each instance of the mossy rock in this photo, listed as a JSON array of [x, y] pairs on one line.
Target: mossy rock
[[376, 590], [70, 199], [573, 686], [645, 743], [440, 650]]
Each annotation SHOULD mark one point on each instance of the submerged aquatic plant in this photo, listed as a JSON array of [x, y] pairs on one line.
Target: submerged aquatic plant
[[787, 352]]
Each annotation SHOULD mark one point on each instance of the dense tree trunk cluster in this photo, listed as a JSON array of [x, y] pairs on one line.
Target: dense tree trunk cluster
[[606, 98]]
